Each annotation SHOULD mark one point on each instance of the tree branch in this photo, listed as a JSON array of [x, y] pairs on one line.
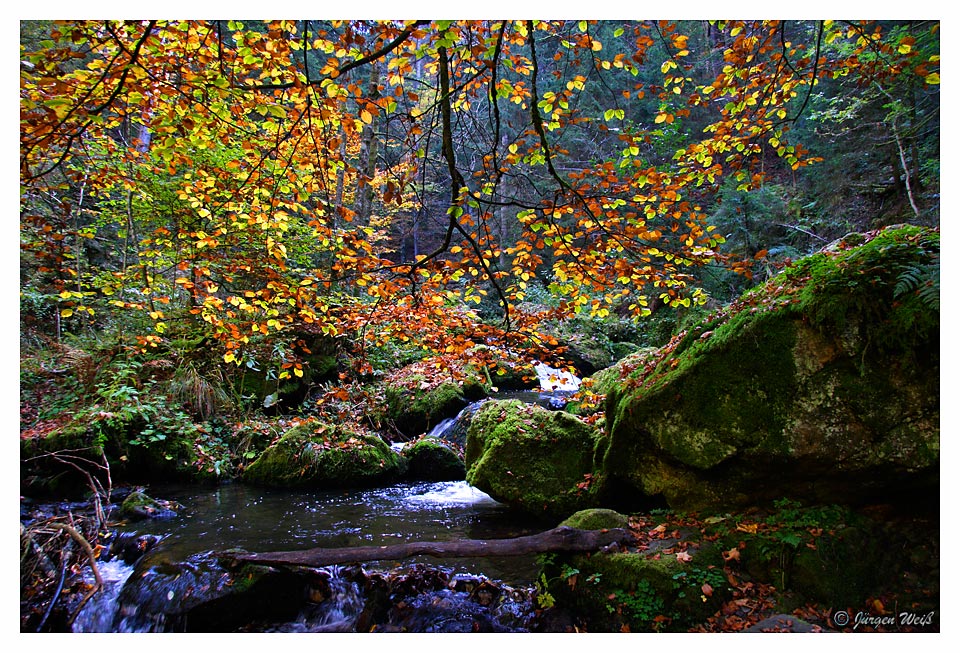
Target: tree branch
[[562, 538]]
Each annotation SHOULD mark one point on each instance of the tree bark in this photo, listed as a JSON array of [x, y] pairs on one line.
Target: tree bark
[[562, 538]]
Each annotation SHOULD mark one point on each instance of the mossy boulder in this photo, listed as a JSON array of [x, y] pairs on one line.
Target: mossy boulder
[[821, 385], [828, 554], [591, 344], [593, 519], [419, 396], [617, 592], [139, 505], [531, 458], [428, 459], [314, 454], [138, 447]]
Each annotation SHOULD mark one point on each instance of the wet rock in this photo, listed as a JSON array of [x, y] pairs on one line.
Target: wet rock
[[315, 454], [429, 459], [130, 547], [531, 458], [138, 505], [200, 594], [783, 623], [822, 385]]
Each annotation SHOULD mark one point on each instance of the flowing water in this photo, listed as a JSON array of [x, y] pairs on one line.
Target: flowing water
[[180, 571], [260, 520]]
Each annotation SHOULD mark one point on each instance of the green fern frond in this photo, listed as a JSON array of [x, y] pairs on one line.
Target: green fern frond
[[924, 280]]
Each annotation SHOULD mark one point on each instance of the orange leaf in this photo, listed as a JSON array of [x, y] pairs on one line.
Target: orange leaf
[[732, 554], [706, 589]]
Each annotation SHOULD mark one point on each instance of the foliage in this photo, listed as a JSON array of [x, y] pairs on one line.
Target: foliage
[[245, 179]]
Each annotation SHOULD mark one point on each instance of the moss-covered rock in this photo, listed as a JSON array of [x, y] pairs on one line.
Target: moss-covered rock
[[593, 519], [139, 447], [827, 554], [420, 396], [618, 592], [592, 344], [428, 459], [314, 454], [139, 505], [822, 384], [531, 458]]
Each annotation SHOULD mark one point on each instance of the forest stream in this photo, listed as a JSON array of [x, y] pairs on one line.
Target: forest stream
[[257, 519]]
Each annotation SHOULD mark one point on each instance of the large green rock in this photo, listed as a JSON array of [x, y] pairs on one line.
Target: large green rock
[[531, 458], [822, 385], [632, 592], [314, 454], [139, 445], [428, 459]]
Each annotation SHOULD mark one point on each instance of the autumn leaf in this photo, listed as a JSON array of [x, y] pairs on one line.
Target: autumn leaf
[[733, 555], [683, 556]]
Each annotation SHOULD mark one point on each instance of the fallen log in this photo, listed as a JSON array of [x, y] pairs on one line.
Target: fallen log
[[562, 538]]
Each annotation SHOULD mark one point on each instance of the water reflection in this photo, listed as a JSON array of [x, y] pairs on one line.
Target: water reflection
[[259, 519]]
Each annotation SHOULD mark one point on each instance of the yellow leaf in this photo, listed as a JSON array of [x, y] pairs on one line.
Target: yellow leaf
[[660, 118], [366, 117], [932, 78], [67, 312]]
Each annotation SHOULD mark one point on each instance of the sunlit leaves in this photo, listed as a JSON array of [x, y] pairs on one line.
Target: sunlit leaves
[[240, 145]]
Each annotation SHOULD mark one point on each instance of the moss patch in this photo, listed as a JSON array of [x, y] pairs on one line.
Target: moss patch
[[631, 592], [431, 460], [320, 455], [531, 458], [594, 519], [822, 380]]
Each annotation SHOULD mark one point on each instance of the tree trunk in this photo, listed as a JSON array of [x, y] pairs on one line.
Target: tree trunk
[[367, 165], [562, 538]]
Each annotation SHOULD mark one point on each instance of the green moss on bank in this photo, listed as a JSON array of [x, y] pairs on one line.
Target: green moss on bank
[[320, 455]]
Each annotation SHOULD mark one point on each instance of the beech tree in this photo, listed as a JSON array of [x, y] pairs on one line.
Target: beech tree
[[383, 179]]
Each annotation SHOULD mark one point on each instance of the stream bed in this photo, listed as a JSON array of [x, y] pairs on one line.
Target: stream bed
[[259, 520]]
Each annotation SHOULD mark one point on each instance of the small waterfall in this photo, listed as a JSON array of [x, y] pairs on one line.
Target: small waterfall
[[440, 430], [336, 614], [454, 429], [98, 613], [556, 380]]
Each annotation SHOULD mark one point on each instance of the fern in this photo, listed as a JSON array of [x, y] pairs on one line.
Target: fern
[[924, 280]]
